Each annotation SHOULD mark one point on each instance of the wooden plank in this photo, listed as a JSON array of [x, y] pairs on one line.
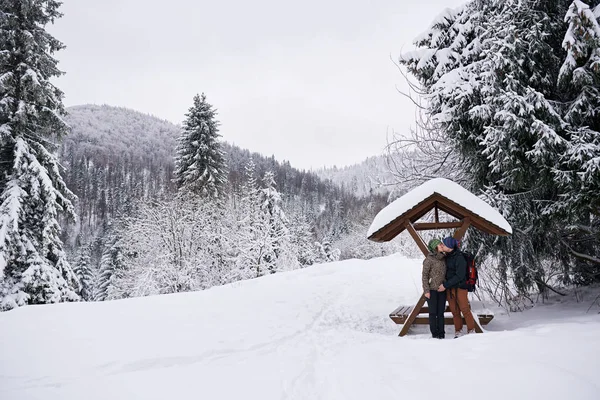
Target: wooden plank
[[398, 310], [437, 217], [424, 226], [460, 233], [399, 319], [483, 320], [425, 310], [400, 314], [415, 312], [417, 238]]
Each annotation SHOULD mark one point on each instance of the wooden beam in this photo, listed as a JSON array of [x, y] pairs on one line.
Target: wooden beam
[[396, 226], [415, 312], [439, 203], [479, 321], [415, 235], [392, 230], [437, 217], [457, 211], [458, 235], [424, 226]]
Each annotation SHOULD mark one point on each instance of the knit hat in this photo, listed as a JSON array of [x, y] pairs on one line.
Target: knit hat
[[433, 244], [451, 242]]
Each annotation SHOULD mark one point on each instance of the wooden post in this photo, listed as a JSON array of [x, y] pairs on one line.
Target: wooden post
[[416, 237], [437, 217], [478, 328], [411, 318], [458, 235], [415, 312]]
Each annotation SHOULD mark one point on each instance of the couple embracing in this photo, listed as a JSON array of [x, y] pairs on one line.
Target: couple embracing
[[444, 278]]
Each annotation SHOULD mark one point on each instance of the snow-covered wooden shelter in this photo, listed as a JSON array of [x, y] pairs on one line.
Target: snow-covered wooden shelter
[[438, 195]]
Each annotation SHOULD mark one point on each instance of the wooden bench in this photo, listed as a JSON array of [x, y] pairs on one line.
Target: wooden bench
[[402, 314]]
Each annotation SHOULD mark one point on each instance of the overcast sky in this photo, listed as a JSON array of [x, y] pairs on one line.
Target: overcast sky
[[308, 81]]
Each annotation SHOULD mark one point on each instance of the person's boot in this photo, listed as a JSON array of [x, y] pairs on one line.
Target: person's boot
[[458, 334], [471, 331]]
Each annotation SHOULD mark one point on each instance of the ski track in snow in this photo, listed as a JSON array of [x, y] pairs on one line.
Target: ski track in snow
[[318, 333]]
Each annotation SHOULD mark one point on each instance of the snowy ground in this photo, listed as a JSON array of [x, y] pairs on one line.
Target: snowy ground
[[318, 333]]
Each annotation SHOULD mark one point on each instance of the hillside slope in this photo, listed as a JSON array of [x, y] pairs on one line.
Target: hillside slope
[[115, 157], [373, 175], [316, 333]]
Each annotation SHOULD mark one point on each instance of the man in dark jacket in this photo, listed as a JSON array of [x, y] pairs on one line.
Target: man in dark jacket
[[455, 284]]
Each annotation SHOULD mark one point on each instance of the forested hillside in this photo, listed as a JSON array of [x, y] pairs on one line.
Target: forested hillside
[[372, 176], [120, 164]]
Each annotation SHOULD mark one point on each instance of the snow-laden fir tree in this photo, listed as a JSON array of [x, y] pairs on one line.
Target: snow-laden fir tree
[[273, 227], [302, 239], [200, 162], [489, 71], [111, 263], [326, 251], [262, 236], [579, 172], [579, 79], [83, 269], [247, 235], [33, 266]]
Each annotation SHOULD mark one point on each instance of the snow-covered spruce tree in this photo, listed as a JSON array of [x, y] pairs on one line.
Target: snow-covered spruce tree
[[489, 73], [274, 230], [302, 240], [247, 236], [111, 263], [83, 269], [327, 253], [33, 266], [579, 173], [262, 235], [200, 162]]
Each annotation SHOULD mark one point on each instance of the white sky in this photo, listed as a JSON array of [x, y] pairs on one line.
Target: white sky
[[308, 81]]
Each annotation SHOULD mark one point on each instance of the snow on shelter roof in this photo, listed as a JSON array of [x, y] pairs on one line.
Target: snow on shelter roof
[[449, 197]]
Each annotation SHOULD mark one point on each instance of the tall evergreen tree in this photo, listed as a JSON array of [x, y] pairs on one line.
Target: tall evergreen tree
[[274, 224], [111, 264], [490, 72], [251, 235], [579, 172], [83, 271], [579, 79], [302, 240], [200, 162], [33, 266]]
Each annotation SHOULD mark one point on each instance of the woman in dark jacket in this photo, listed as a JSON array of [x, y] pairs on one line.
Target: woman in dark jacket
[[434, 273]]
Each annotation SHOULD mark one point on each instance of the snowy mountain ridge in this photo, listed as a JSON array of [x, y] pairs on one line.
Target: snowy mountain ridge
[[370, 176]]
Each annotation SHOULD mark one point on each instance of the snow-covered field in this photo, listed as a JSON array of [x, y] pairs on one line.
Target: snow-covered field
[[317, 333]]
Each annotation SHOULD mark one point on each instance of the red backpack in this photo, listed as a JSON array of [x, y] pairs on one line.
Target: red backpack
[[471, 272]]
